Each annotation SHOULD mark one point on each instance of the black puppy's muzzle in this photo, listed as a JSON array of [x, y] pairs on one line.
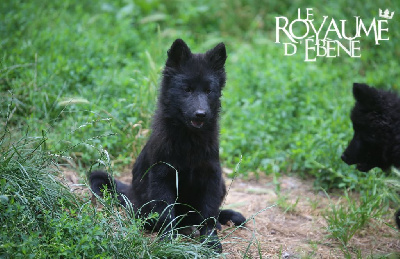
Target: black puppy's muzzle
[[199, 118], [345, 159]]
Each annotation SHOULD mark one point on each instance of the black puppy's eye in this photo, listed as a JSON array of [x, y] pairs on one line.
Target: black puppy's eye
[[188, 90], [208, 91]]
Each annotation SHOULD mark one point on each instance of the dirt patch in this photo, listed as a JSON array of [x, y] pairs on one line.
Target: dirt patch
[[288, 224], [291, 223]]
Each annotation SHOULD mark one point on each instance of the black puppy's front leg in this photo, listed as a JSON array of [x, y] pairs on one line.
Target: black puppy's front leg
[[209, 234], [209, 209], [162, 197]]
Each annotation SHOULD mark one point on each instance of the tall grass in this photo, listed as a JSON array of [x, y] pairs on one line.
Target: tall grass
[[42, 218]]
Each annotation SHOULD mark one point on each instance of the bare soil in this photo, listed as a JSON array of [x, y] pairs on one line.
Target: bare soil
[[289, 224], [300, 231]]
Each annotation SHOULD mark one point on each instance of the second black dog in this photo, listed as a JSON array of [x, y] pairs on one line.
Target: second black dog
[[376, 124]]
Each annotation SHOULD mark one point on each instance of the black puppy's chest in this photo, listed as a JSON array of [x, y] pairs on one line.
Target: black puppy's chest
[[195, 182], [196, 174]]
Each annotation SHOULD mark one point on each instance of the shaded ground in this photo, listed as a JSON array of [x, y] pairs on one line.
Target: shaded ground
[[290, 224]]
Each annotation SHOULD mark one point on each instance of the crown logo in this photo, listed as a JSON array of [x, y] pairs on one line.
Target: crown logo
[[385, 14]]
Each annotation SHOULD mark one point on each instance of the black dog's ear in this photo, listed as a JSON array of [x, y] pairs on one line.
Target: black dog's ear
[[365, 95], [217, 56], [178, 53]]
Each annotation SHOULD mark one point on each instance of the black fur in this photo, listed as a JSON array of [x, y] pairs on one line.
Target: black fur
[[376, 124], [184, 140], [397, 218]]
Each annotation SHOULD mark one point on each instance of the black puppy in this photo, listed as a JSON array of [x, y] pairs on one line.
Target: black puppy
[[178, 173], [376, 124]]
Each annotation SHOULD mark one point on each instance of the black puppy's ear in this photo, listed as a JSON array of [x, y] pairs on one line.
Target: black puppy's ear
[[217, 56], [366, 95], [178, 53]]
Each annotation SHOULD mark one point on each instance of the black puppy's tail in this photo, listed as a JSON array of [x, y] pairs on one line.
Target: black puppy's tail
[[230, 215], [99, 180], [397, 218]]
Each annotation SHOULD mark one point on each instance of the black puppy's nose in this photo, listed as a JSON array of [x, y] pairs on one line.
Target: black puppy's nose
[[344, 158], [200, 113]]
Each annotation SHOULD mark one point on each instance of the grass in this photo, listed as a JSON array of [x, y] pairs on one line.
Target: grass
[[41, 218], [348, 217], [285, 205], [278, 112], [82, 77]]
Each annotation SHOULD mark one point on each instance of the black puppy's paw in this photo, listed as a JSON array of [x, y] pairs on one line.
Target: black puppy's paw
[[230, 215], [212, 241], [167, 235]]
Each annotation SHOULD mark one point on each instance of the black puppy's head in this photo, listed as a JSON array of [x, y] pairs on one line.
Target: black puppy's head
[[192, 84], [372, 140]]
